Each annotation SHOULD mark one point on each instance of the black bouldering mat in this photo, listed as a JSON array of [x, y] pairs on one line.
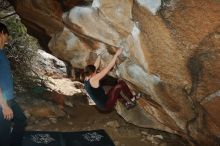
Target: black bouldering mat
[[82, 138]]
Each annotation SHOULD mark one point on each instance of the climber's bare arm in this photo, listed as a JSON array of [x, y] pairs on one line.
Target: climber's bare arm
[[96, 78]]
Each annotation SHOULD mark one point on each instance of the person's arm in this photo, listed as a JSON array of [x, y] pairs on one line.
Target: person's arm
[[6, 110], [95, 79], [97, 62], [3, 103]]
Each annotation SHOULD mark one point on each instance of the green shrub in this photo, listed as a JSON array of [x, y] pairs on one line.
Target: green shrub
[[21, 52]]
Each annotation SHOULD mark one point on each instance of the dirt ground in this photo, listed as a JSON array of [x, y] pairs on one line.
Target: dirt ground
[[84, 118], [47, 116]]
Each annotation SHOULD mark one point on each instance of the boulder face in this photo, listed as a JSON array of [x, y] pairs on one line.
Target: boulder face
[[171, 54]]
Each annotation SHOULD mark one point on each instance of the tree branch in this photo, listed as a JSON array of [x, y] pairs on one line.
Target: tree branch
[[7, 16]]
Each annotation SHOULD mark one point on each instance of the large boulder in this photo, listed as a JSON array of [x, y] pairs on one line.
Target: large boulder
[[171, 53]]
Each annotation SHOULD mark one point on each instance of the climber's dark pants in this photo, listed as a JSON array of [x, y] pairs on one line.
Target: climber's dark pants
[[11, 132], [114, 94]]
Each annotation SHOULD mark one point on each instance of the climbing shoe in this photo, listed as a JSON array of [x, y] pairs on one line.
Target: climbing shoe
[[129, 105]]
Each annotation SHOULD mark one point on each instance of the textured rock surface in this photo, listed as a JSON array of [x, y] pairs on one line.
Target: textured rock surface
[[171, 55], [47, 64]]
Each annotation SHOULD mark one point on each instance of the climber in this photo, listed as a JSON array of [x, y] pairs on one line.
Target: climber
[[12, 119], [92, 84]]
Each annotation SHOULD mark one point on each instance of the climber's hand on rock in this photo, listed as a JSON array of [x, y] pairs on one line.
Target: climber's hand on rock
[[119, 51]]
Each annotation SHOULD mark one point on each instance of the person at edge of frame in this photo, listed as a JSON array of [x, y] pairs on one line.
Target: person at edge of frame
[[12, 119]]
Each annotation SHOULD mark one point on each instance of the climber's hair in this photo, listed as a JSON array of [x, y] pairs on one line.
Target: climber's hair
[[3, 29], [89, 69]]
